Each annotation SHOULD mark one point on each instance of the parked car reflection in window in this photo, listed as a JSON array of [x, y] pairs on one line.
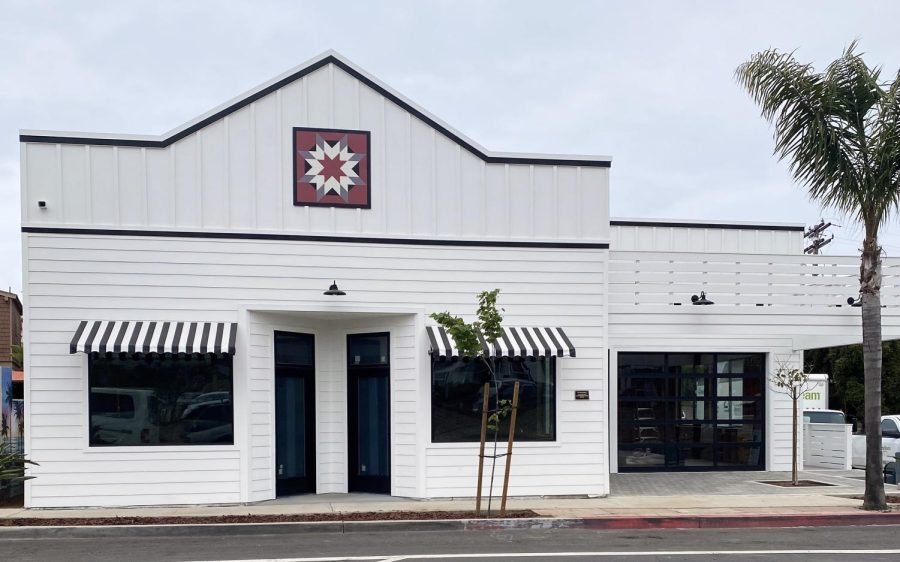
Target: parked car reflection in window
[[159, 400]]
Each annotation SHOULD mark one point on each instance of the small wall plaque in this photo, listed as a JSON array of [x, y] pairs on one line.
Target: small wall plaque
[[582, 395]]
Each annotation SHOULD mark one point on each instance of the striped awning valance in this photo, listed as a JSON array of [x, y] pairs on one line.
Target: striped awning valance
[[515, 342], [107, 336]]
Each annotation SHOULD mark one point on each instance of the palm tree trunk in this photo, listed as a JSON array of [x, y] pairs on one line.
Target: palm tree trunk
[[870, 289]]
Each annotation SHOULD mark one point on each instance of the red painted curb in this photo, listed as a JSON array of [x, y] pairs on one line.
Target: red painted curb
[[743, 521], [622, 522]]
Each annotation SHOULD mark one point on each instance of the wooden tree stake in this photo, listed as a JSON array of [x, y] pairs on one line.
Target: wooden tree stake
[[484, 419], [509, 447]]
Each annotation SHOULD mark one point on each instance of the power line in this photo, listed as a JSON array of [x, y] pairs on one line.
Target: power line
[[816, 235]]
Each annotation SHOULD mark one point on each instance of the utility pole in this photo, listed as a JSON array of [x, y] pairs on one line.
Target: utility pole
[[816, 236]]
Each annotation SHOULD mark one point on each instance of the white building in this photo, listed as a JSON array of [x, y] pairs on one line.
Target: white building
[[180, 349]]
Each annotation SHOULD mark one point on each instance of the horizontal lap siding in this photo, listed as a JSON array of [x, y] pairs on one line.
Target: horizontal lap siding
[[575, 464], [74, 278], [261, 408], [331, 411], [779, 410], [800, 294], [405, 405], [71, 474], [568, 468], [794, 296]]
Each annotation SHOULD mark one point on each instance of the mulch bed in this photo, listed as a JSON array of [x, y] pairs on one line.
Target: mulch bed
[[11, 502], [293, 518], [889, 498], [800, 483]]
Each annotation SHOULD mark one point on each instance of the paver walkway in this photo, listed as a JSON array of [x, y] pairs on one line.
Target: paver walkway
[[734, 483]]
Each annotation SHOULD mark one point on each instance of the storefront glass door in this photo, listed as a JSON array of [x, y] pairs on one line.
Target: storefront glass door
[[295, 418], [691, 411], [368, 401]]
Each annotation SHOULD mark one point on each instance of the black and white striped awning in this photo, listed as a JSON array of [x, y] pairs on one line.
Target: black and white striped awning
[[515, 342], [103, 336]]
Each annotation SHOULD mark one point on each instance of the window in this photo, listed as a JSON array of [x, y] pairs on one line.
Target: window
[[888, 426], [457, 395], [823, 416], [153, 400]]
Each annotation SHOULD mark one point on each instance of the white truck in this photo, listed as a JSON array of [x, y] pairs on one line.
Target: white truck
[[890, 442], [815, 402], [816, 396]]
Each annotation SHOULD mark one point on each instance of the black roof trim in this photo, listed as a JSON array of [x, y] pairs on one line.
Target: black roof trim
[[330, 59], [708, 225], [316, 238]]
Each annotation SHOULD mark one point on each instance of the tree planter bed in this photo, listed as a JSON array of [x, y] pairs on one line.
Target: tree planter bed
[[800, 483]]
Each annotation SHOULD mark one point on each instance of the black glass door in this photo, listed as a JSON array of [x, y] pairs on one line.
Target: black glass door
[[368, 412], [691, 411], [295, 415]]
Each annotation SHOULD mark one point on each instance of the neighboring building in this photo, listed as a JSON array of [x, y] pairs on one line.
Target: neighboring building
[[12, 409], [10, 327], [180, 349]]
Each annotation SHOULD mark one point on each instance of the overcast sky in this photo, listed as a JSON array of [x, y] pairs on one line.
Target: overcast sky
[[649, 83]]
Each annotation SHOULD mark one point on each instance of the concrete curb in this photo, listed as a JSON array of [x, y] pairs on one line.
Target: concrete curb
[[613, 522], [187, 530], [621, 522]]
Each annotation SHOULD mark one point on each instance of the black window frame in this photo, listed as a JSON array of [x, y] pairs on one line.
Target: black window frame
[[670, 443], [92, 357], [504, 434]]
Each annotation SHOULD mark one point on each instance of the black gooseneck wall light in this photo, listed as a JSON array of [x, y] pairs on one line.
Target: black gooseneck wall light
[[333, 290], [701, 300]]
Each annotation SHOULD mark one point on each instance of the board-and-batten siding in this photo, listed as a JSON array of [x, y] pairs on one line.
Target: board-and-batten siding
[[77, 277], [236, 173], [704, 238]]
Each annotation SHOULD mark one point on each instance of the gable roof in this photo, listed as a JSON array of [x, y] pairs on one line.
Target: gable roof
[[326, 58]]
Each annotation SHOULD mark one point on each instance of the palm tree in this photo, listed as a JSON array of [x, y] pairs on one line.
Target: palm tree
[[840, 130], [19, 409], [10, 401]]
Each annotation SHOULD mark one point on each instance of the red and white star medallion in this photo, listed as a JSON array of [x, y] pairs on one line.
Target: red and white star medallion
[[331, 167]]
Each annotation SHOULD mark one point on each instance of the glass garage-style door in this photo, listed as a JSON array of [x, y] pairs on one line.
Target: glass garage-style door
[[691, 411]]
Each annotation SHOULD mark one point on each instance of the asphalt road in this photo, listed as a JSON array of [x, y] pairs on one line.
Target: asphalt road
[[819, 544]]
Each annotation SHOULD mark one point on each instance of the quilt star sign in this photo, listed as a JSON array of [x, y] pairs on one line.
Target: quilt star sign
[[331, 168]]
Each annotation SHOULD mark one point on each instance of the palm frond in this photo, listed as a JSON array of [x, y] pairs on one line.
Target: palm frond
[[886, 149], [797, 101]]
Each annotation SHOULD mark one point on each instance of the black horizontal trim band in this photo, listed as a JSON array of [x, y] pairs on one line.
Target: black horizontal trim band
[[330, 59], [316, 238], [708, 225]]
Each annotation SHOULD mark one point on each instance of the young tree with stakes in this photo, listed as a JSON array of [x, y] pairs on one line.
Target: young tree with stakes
[[468, 340], [793, 383], [840, 129]]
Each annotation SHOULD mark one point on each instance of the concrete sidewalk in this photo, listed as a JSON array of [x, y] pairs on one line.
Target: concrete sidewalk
[[546, 507], [633, 495]]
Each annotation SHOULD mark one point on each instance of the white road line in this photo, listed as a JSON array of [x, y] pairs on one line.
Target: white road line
[[401, 557]]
